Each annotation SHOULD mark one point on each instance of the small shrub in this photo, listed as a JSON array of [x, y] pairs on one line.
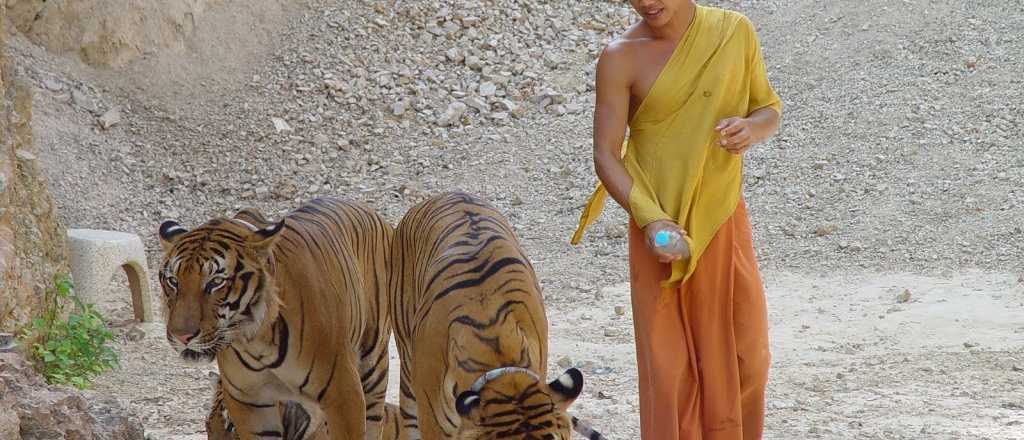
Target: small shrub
[[69, 350]]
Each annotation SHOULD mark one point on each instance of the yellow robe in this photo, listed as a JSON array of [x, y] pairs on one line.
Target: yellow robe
[[679, 170]]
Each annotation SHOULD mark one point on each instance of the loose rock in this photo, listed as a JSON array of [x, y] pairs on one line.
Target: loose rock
[[452, 114], [111, 118], [281, 126], [903, 296]]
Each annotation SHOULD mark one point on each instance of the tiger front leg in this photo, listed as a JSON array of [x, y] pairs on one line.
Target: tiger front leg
[[343, 403], [254, 420], [374, 373]]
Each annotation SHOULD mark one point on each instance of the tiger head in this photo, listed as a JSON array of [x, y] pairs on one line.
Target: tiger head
[[217, 282], [513, 403]]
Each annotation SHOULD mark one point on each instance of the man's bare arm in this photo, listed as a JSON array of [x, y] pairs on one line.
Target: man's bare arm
[[610, 119], [611, 116]]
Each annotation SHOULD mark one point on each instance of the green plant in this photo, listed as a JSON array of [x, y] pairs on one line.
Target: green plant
[[69, 350]]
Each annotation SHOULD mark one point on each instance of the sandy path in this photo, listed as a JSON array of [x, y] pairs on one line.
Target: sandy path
[[849, 360]]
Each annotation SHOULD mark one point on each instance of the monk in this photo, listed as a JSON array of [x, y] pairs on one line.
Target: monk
[[689, 83]]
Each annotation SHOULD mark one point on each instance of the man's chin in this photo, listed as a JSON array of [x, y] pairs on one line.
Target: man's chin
[[198, 357]]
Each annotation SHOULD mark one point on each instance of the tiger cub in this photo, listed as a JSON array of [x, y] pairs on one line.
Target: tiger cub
[[292, 311]]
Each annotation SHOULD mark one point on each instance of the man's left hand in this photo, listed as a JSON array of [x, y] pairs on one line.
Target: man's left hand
[[734, 134]]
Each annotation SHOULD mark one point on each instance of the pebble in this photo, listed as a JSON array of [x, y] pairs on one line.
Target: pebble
[[488, 89], [454, 55], [903, 296], [452, 114], [111, 118], [565, 362], [478, 104], [473, 62], [7, 342], [825, 230], [281, 126], [333, 84], [136, 334], [611, 332], [82, 100], [399, 108], [53, 85], [777, 404], [620, 311]]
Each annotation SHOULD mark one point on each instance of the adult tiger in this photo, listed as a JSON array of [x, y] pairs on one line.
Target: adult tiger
[[471, 331], [294, 310]]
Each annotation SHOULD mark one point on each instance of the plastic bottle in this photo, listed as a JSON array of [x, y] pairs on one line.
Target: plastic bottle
[[671, 243]]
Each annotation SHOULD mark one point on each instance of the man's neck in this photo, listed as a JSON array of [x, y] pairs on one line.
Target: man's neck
[[676, 28]]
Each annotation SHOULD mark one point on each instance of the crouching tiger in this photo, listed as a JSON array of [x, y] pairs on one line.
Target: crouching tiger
[[291, 311], [471, 330]]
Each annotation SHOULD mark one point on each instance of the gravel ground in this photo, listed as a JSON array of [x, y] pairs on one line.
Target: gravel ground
[[898, 166]]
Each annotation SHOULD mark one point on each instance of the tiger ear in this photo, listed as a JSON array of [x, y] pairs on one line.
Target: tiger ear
[[566, 388], [262, 240], [467, 402], [169, 233]]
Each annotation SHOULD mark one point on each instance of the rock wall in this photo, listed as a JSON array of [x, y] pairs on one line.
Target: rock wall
[[32, 410], [32, 241], [107, 32]]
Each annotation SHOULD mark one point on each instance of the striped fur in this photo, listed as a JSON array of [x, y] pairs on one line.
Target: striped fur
[[471, 330], [292, 311], [296, 423]]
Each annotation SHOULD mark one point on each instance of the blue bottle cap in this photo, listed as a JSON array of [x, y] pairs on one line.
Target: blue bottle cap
[[661, 238]]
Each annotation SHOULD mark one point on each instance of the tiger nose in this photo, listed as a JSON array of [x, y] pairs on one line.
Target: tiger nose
[[184, 337]]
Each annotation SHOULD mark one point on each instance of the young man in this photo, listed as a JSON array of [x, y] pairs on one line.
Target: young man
[[689, 82]]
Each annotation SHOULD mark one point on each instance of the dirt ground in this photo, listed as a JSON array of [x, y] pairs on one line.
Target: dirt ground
[[853, 358], [888, 213]]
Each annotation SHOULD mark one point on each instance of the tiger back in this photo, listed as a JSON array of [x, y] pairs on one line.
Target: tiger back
[[292, 311], [471, 330]]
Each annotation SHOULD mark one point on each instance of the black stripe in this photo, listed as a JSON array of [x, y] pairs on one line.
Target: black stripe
[[465, 284], [377, 382], [244, 363], [245, 278], [330, 378], [282, 343], [250, 404], [305, 381]]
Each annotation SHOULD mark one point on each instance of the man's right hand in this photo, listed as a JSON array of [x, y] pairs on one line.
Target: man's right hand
[[662, 225]]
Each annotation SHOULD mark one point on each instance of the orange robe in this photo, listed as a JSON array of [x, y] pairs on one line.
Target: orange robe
[[702, 348]]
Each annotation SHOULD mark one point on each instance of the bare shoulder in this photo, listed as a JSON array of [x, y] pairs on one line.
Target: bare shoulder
[[623, 51], [636, 35]]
